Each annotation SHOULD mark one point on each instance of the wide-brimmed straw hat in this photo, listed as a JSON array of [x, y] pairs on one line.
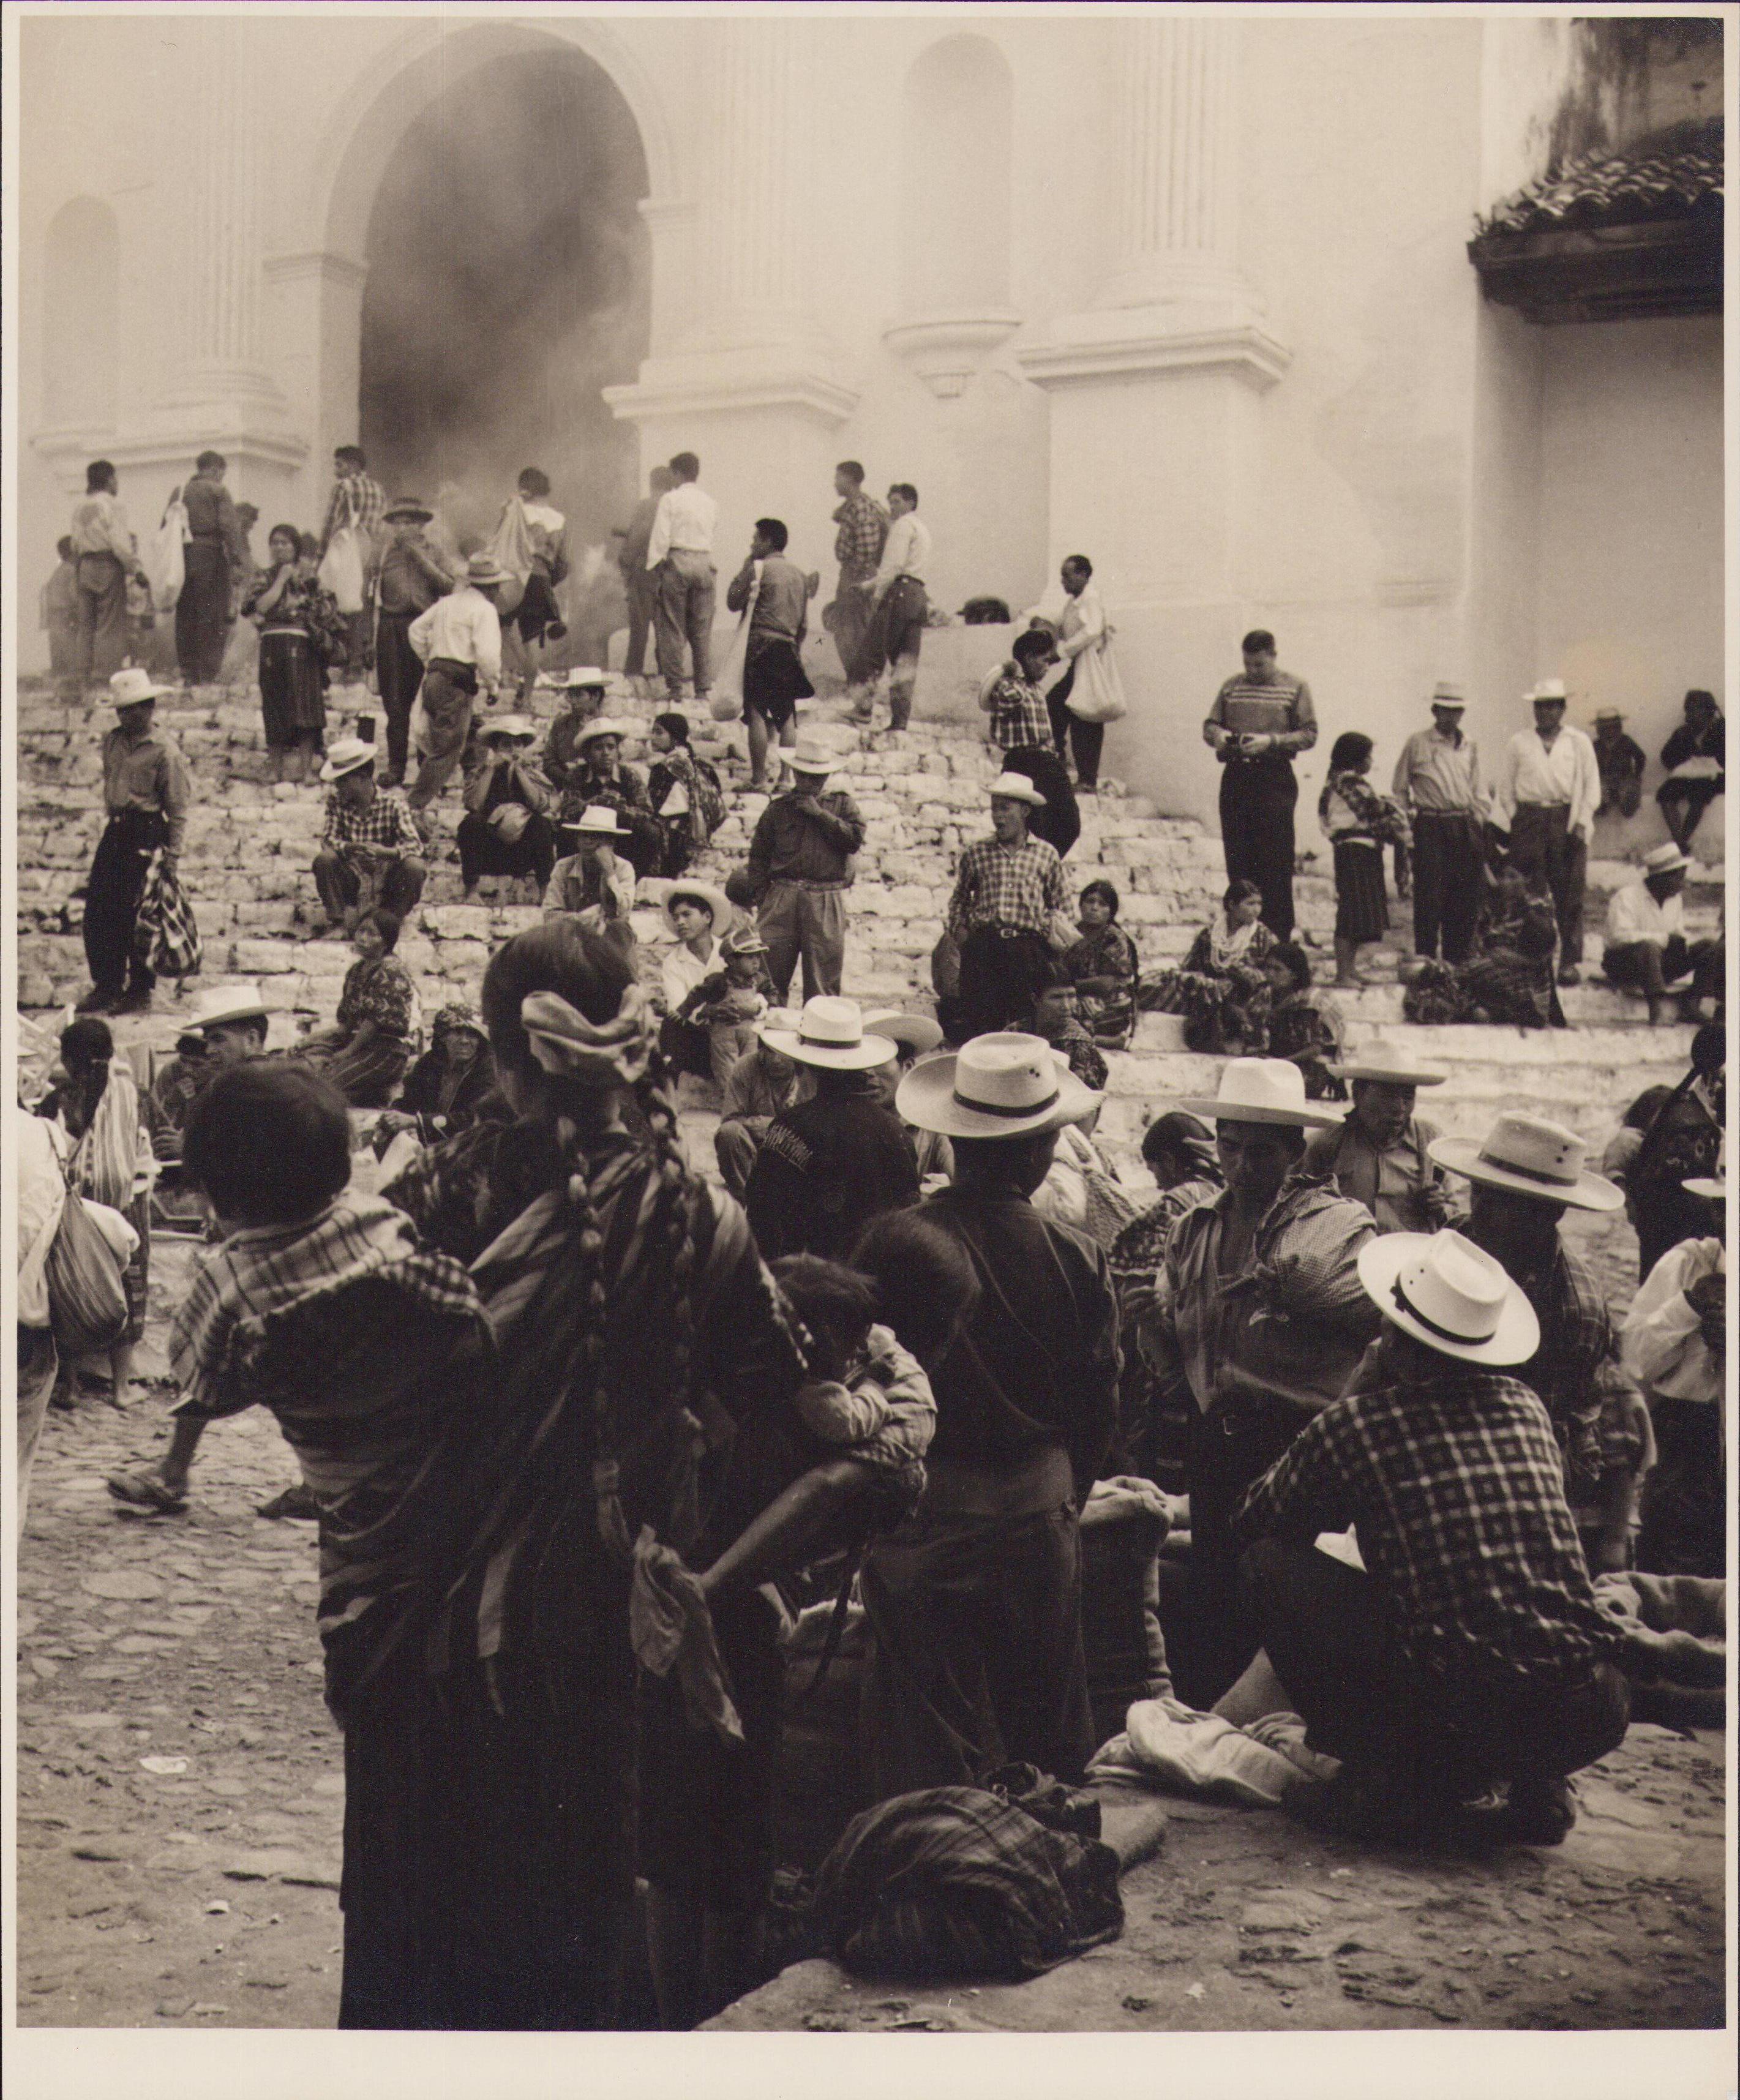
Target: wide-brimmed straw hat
[[1390, 1065], [346, 756], [407, 506], [830, 1033], [132, 687], [520, 726], [1450, 1295], [586, 674], [1664, 859], [484, 569], [1264, 1090], [597, 820], [918, 1032], [1005, 1084], [219, 1004], [1712, 1187], [1445, 695], [589, 732], [1015, 787], [1530, 1156], [809, 754], [1549, 689], [708, 895]]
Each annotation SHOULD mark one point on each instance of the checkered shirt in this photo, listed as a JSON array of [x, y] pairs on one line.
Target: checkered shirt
[[998, 885], [1018, 719], [357, 500], [384, 821], [1576, 1369], [857, 544], [1456, 1487]]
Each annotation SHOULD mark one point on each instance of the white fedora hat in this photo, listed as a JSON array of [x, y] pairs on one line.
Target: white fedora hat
[[508, 726], [1547, 689], [1664, 859], [132, 687], [708, 895], [1263, 1090], [1015, 787], [484, 569], [597, 820], [1389, 1064], [218, 1004], [599, 725], [1530, 1156], [345, 755], [830, 1032], [1714, 1187], [586, 674], [1002, 1085], [809, 754], [1446, 695], [917, 1032], [1452, 1295]]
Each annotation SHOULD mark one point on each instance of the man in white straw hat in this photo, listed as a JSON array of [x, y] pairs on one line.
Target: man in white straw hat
[[1525, 1174], [1647, 950], [1545, 795], [371, 851], [600, 777], [593, 882], [412, 576], [506, 828], [583, 692], [1437, 783], [232, 1021], [1010, 893], [1262, 1317], [1470, 1654], [801, 857], [146, 792], [828, 1165], [976, 1602], [459, 641], [1380, 1155]]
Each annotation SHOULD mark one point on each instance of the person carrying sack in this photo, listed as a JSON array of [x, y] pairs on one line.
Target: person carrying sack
[[1089, 694]]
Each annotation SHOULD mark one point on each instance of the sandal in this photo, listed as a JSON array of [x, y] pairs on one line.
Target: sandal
[[148, 1491]]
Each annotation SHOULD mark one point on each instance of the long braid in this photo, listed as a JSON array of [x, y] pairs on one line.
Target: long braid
[[677, 1224]]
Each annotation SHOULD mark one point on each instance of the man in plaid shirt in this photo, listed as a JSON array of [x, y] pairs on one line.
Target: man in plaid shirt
[[1007, 890], [1470, 1653], [370, 843], [857, 549], [357, 503], [1020, 727]]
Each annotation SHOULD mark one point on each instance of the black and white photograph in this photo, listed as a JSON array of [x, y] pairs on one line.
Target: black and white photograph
[[866, 995]]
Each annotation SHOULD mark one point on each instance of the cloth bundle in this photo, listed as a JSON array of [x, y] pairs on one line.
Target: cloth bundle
[[165, 934], [1168, 1744], [671, 1628], [87, 1298], [1676, 1651]]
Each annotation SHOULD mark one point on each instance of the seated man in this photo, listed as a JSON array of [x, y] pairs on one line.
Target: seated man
[[176, 1082], [1379, 1157], [1646, 945], [371, 851], [1620, 762], [762, 1085], [1471, 1651]]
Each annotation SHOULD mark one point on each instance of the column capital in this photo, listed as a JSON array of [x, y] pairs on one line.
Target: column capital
[[1086, 350], [709, 382]]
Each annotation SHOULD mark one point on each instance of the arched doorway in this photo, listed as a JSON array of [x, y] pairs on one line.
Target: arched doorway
[[508, 284]]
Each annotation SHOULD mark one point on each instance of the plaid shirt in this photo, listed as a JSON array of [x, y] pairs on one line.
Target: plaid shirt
[[358, 500], [384, 821], [857, 544], [1455, 1487], [1019, 721], [998, 885]]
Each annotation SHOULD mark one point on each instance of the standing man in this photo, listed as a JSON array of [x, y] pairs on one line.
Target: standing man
[[105, 556], [412, 576], [975, 1602], [369, 843], [1547, 791], [1381, 1156], [901, 606], [1620, 762], [1437, 783], [637, 583], [145, 791], [459, 641], [356, 505], [1646, 945], [214, 559], [774, 677], [800, 869], [1259, 723], [1008, 890], [679, 562], [1080, 625], [857, 549]]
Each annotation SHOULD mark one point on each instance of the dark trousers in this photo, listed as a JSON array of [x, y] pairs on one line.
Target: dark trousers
[[202, 612], [112, 895], [1070, 733], [1449, 879], [1257, 797], [1542, 845], [1059, 823], [978, 1656], [483, 851], [1225, 1452], [400, 671], [1650, 966], [340, 883], [1683, 803], [1001, 972], [641, 592], [100, 640], [1363, 1700]]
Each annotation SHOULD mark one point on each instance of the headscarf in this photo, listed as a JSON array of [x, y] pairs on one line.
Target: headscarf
[[612, 1053], [458, 1015]]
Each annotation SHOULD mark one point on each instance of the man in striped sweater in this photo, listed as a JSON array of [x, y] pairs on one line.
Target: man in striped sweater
[[1259, 722]]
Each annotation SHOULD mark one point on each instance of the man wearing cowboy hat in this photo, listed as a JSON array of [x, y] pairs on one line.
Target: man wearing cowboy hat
[[1470, 1652], [411, 578], [368, 841], [1380, 1156], [1547, 793], [1647, 949], [975, 1603], [800, 868], [459, 642], [506, 829], [231, 1022], [592, 882], [145, 791], [583, 691], [1620, 763], [1008, 892], [1437, 783], [1262, 1317], [1525, 1173], [600, 779], [828, 1165], [763, 1084]]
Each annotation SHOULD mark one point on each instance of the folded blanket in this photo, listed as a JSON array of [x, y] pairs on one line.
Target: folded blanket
[[1166, 1743]]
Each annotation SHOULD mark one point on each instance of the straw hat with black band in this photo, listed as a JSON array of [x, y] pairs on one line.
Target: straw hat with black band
[[1263, 1090], [1001, 1085], [1529, 1156], [1453, 1296], [830, 1035], [1390, 1064]]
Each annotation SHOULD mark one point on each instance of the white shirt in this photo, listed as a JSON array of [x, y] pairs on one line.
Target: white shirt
[[463, 627], [1564, 772], [1081, 622], [683, 969], [1661, 1342], [1635, 914], [41, 1197], [906, 552], [682, 523]]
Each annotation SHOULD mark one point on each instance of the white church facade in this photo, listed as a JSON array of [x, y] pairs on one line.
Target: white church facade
[[1191, 294]]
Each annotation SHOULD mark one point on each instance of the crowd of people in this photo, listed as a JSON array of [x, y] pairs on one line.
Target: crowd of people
[[580, 1426]]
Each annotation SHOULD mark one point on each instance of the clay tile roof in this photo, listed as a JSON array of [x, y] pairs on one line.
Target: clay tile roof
[[1675, 176]]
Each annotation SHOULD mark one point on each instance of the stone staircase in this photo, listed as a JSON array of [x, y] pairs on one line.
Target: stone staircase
[[251, 844]]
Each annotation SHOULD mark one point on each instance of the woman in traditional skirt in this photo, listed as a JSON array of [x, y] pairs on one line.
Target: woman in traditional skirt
[[366, 1054], [1103, 966], [300, 630], [1509, 980], [1221, 988], [1358, 823], [1304, 1025]]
